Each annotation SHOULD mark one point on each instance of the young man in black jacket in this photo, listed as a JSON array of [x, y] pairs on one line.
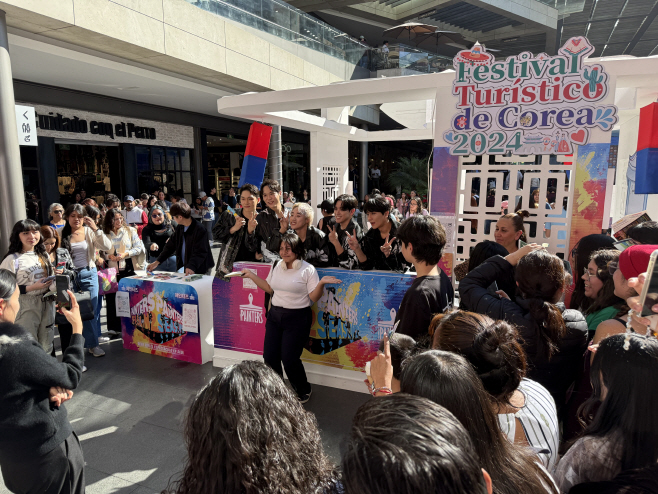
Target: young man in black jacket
[[379, 249], [340, 253], [273, 220], [189, 242]]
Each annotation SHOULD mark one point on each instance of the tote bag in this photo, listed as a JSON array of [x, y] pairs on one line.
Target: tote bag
[[107, 281]]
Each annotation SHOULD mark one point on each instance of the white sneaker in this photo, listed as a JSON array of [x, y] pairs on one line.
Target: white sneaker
[[103, 339]]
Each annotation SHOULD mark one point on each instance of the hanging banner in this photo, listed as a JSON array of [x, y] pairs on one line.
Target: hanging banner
[[528, 104], [163, 318], [348, 321]]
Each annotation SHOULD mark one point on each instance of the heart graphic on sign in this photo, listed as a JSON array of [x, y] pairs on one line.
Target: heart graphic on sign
[[579, 137], [449, 137]]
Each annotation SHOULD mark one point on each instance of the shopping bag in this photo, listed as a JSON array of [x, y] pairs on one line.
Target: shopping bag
[[107, 281]]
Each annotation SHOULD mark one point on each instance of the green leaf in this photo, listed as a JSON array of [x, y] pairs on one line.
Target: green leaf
[[410, 174]]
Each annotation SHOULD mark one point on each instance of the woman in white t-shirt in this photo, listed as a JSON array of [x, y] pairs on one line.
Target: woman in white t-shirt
[[27, 258], [295, 286]]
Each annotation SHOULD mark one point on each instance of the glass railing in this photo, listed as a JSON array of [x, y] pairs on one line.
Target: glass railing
[[287, 22], [402, 56], [565, 7]]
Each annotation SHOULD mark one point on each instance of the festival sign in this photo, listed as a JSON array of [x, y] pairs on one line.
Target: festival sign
[[349, 320], [528, 104], [162, 318]]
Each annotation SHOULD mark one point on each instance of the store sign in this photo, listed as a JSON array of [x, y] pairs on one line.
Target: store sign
[[528, 104], [57, 122], [26, 126]]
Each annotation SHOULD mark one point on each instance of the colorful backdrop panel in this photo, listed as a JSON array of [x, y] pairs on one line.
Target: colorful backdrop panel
[[348, 321], [156, 323]]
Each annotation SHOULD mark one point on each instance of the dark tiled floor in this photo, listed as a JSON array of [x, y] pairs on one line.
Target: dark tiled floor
[[128, 412]]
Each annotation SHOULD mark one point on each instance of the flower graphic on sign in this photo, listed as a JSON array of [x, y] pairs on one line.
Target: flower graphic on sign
[[461, 122]]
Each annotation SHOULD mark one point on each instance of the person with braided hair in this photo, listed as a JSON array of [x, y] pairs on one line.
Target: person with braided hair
[[526, 411], [553, 337]]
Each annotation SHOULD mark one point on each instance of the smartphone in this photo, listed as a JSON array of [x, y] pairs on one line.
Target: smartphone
[[62, 284], [622, 245], [61, 264], [49, 278], [649, 295]]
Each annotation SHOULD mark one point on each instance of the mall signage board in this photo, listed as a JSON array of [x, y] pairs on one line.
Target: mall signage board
[[528, 104]]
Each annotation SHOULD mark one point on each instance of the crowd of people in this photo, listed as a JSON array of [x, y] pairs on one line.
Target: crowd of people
[[540, 382]]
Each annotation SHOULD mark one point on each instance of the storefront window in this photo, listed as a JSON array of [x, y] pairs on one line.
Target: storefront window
[[296, 168], [170, 170], [94, 169]]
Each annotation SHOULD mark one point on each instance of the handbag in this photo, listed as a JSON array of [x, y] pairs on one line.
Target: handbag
[[87, 310], [107, 281]]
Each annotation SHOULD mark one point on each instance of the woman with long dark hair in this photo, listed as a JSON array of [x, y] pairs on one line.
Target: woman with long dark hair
[[623, 434], [449, 380], [416, 207], [124, 255], [294, 285], [600, 290], [580, 256], [28, 259], [554, 338], [480, 253], [156, 234], [246, 432], [526, 411], [39, 452], [81, 237]]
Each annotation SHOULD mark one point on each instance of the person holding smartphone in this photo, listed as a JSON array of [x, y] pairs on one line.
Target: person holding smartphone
[[81, 237], [27, 258], [295, 286], [39, 451]]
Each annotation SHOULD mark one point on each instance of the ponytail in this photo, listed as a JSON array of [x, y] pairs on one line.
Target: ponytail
[[550, 319], [517, 221], [540, 277]]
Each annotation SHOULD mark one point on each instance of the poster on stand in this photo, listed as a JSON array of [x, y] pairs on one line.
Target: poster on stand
[[348, 321], [163, 319]]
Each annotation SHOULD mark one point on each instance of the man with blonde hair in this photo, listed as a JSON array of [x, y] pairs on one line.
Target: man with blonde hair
[[315, 241]]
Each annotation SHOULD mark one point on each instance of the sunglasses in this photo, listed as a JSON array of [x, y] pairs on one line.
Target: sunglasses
[[58, 211], [158, 215]]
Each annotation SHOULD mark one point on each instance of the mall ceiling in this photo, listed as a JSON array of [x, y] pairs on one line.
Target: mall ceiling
[[614, 27]]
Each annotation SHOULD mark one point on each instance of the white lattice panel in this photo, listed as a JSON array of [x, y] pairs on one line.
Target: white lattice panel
[[496, 179], [331, 182]]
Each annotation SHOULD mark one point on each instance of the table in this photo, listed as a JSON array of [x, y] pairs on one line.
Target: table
[[348, 322], [167, 314]]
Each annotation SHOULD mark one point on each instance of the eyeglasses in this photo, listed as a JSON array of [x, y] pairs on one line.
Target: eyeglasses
[[612, 267], [586, 273]]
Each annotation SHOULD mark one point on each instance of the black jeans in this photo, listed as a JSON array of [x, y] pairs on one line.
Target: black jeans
[[286, 333], [59, 472]]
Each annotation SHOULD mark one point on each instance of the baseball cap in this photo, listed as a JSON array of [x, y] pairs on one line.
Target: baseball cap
[[635, 260], [327, 205], [128, 198], [202, 194]]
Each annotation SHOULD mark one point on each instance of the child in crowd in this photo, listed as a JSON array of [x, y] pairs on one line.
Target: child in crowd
[[422, 239]]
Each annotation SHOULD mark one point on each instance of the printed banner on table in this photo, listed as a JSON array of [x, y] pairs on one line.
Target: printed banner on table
[[348, 321], [163, 319], [528, 104]]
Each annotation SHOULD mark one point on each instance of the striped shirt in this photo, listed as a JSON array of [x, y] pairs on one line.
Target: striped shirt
[[538, 417]]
